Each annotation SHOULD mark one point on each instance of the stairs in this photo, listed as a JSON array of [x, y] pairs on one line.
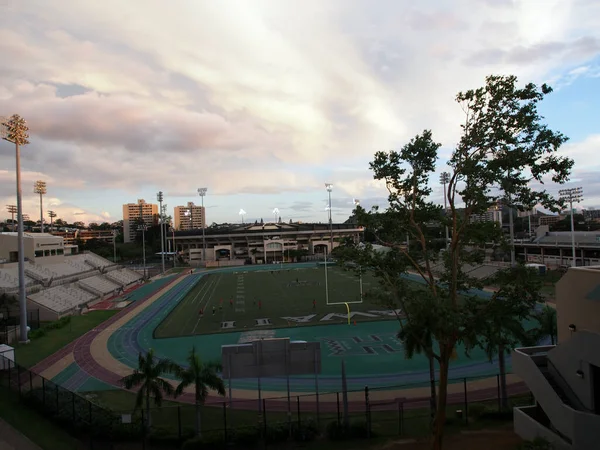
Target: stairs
[[559, 391]]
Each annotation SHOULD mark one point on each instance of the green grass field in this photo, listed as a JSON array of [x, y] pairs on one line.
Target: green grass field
[[247, 297]]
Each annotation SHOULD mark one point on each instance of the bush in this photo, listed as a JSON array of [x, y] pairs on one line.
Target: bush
[[356, 430], [208, 440], [498, 415], [477, 410], [277, 433], [537, 444], [56, 325], [247, 436], [307, 431]]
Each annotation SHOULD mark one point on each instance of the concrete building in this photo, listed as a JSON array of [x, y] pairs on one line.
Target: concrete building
[[133, 213], [493, 214], [36, 246], [260, 243], [565, 379], [190, 217]]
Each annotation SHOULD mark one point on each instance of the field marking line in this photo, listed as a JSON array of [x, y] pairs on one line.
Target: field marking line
[[205, 289], [214, 288], [165, 322]]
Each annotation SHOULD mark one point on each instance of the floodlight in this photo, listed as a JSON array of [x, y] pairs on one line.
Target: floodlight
[[242, 212], [14, 129], [572, 195], [202, 191], [329, 187]]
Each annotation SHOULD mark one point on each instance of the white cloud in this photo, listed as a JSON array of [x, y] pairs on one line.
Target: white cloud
[[248, 98]]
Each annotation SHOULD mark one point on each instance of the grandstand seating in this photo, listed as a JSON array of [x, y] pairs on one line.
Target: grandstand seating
[[483, 272], [99, 284], [9, 279], [95, 260], [62, 298], [123, 276]]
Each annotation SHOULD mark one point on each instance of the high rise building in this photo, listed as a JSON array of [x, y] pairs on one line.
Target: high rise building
[[493, 214], [133, 213], [190, 217]]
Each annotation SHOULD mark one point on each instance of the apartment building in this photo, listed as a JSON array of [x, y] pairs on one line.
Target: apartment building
[[190, 217], [132, 213], [493, 214], [565, 378]]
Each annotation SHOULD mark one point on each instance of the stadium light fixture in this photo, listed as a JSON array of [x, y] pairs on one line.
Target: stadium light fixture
[[160, 198], [572, 195], [52, 215], [202, 192], [444, 180], [12, 209], [14, 130], [39, 187], [242, 213]]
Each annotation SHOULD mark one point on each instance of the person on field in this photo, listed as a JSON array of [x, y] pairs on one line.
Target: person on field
[[231, 302], [259, 304], [201, 313], [214, 310], [314, 304]]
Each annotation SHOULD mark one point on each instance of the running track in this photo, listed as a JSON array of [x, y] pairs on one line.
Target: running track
[[81, 350]]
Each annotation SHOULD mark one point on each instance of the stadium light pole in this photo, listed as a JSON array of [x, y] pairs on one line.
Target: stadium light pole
[[329, 188], [39, 187], [52, 215], [174, 248], [12, 209], [275, 215], [242, 213], [202, 193], [114, 233], [159, 197], [14, 130], [572, 195], [444, 180], [142, 228]]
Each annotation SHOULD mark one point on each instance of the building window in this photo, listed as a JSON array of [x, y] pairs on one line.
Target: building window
[[39, 253]]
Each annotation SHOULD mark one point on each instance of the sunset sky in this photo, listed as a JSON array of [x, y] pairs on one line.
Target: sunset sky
[[264, 101]]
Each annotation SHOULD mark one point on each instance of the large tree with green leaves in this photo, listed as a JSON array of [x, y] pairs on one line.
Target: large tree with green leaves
[[505, 151], [147, 377], [202, 376]]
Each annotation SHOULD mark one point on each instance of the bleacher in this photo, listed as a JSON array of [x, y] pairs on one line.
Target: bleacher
[[483, 272], [123, 276], [95, 260], [62, 298], [99, 284], [9, 279]]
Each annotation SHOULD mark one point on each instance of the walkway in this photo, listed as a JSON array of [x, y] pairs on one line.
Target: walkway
[[11, 439]]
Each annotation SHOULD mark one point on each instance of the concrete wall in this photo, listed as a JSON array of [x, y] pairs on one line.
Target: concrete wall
[[528, 428], [575, 354], [578, 301]]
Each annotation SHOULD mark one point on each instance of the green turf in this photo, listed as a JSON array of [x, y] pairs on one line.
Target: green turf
[[28, 355], [244, 297]]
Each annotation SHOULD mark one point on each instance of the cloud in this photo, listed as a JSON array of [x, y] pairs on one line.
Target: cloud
[[260, 101]]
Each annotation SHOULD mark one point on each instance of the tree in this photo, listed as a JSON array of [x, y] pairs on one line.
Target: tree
[[203, 376], [519, 290], [504, 145], [547, 326], [148, 377]]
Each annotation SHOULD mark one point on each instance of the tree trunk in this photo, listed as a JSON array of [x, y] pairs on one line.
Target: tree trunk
[[198, 418], [148, 418], [440, 413], [502, 367], [433, 399]]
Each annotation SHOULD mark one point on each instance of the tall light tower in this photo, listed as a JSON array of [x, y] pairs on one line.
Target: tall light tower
[[572, 195], [159, 197], [39, 187], [14, 129], [242, 213], [52, 215], [444, 180], [202, 193], [142, 228], [329, 188], [12, 209], [275, 216]]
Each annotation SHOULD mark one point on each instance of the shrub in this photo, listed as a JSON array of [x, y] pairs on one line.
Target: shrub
[[498, 415], [335, 431], [247, 436], [277, 433], [356, 430], [477, 410], [538, 443], [307, 431]]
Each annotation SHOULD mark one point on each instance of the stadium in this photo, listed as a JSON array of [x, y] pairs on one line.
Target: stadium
[[231, 307]]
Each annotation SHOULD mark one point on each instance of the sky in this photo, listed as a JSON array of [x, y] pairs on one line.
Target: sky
[[264, 101]]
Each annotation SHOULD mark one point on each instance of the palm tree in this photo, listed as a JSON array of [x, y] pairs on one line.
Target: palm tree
[[147, 377], [421, 344], [203, 376], [547, 324]]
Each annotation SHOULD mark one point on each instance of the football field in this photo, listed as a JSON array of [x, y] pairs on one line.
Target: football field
[[251, 300]]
